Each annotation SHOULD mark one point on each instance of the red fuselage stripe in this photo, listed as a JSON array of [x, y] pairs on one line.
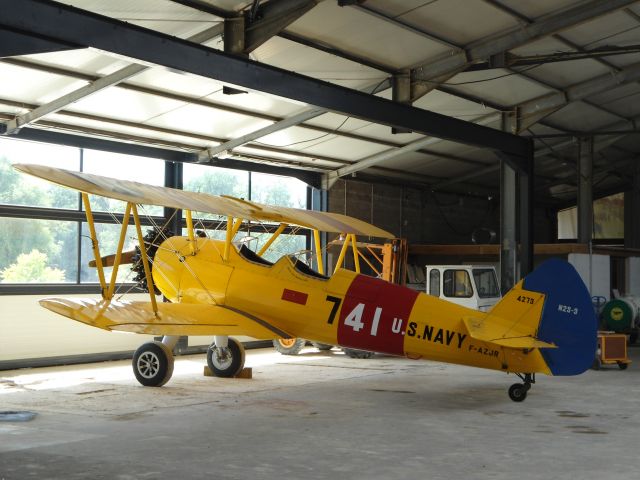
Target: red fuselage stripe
[[374, 315]]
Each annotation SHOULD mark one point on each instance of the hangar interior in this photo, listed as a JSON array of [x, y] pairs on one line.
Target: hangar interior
[[450, 123]]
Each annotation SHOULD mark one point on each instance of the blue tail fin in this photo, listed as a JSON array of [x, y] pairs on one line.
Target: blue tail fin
[[568, 319]]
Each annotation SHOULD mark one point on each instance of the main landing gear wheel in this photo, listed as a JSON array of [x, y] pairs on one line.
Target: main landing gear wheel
[[518, 391], [227, 361], [289, 346], [153, 364]]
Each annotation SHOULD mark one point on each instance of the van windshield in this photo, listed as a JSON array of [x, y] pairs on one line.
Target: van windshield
[[486, 283]]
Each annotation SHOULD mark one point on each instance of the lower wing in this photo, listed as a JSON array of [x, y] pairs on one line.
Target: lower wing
[[171, 319]]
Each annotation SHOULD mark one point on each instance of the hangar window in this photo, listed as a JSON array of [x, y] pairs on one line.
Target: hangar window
[[608, 219], [124, 167], [43, 234], [38, 251], [23, 190]]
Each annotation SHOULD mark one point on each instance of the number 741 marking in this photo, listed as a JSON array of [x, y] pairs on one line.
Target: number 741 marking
[[354, 319]]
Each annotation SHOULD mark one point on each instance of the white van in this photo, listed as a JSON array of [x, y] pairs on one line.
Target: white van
[[467, 285]]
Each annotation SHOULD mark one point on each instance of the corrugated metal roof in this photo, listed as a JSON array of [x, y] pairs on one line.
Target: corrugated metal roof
[[356, 47]]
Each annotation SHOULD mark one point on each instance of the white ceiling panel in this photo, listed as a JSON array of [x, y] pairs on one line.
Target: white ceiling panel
[[579, 116], [178, 82], [207, 121], [258, 102], [365, 35], [534, 10], [623, 61], [452, 106], [161, 15], [125, 132], [566, 74], [340, 147], [126, 104], [497, 86], [30, 86], [624, 100], [617, 28], [314, 63], [457, 20], [89, 62]]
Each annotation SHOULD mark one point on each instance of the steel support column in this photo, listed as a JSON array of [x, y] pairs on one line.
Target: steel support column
[[585, 190], [173, 178], [319, 199], [401, 92], [526, 193], [631, 209], [508, 221]]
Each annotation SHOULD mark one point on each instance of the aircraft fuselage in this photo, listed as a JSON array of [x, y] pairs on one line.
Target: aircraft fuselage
[[348, 309]]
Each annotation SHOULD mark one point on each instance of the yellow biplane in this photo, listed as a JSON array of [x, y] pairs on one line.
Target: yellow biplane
[[545, 324]]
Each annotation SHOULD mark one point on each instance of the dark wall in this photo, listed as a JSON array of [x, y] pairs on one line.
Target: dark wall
[[426, 217]]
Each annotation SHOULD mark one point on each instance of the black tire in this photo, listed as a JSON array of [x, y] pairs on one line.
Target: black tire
[[289, 346], [226, 362], [353, 353], [597, 364], [622, 365], [322, 346], [518, 392], [153, 364]]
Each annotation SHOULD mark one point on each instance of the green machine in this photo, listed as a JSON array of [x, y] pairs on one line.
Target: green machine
[[622, 315]]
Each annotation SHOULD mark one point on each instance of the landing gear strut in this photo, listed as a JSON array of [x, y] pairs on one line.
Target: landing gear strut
[[518, 391], [225, 357]]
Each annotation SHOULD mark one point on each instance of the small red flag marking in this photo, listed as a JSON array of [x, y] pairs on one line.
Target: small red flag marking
[[294, 296]]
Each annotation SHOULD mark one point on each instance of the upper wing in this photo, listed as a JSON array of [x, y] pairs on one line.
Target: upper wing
[[172, 318], [135, 192]]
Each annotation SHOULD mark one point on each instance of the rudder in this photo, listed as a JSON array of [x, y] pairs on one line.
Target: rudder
[[568, 319]]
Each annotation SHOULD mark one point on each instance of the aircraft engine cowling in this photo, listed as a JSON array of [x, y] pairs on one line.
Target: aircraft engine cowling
[[152, 240]]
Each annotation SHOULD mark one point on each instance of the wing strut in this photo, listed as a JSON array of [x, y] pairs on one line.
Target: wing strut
[[145, 259], [118, 259], [94, 244], [272, 238], [316, 241]]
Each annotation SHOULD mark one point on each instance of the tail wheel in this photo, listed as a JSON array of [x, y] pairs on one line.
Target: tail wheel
[[289, 346], [153, 364], [227, 361], [518, 392]]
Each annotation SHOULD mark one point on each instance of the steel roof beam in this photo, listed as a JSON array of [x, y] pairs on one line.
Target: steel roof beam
[[96, 86], [395, 152], [274, 16], [16, 43], [86, 29], [532, 111], [484, 49], [539, 153]]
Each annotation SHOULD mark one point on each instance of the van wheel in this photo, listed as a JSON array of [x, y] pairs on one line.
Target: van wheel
[[289, 346]]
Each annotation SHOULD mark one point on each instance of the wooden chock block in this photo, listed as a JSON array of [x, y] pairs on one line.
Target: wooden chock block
[[244, 373]]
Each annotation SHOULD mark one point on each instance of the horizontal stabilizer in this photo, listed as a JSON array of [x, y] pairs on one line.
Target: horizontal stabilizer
[[513, 322], [171, 319], [479, 330]]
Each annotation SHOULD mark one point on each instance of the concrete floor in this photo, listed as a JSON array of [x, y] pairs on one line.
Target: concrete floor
[[319, 416]]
